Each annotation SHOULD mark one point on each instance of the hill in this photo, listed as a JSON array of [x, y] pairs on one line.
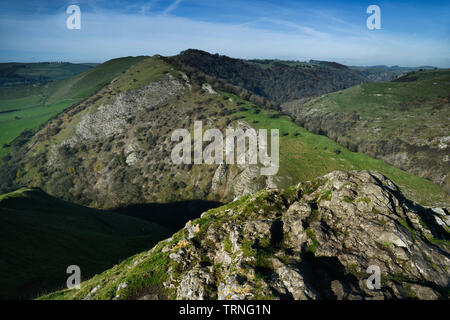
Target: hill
[[385, 73], [404, 122], [114, 149], [371, 73], [278, 81], [40, 236], [27, 107], [17, 74], [315, 240]]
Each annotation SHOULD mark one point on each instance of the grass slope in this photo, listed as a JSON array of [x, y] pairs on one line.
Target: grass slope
[[40, 236], [27, 107], [145, 273], [419, 99]]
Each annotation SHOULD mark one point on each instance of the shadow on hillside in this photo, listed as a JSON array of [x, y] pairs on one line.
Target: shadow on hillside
[[172, 216]]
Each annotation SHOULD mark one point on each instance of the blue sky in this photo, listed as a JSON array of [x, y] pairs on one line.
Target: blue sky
[[412, 32]]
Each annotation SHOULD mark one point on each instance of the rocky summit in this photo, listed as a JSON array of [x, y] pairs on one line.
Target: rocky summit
[[320, 239]]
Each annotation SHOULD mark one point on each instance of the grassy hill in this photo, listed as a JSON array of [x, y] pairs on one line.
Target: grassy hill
[[27, 107], [16, 74], [72, 159], [403, 122], [40, 236], [385, 73]]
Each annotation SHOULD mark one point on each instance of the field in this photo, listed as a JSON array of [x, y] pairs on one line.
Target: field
[[16, 74], [421, 101]]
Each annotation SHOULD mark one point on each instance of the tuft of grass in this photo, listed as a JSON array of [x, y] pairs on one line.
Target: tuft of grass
[[348, 199], [315, 244]]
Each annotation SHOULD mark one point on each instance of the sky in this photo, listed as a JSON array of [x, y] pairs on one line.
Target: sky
[[413, 33]]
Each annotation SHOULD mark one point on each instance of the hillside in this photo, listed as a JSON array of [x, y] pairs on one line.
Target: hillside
[[311, 241], [404, 122], [276, 80], [17, 74], [371, 73], [40, 236], [385, 73], [27, 107], [113, 149]]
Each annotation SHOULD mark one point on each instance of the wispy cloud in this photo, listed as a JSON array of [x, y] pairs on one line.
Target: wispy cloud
[[147, 6], [172, 7], [159, 26], [291, 26]]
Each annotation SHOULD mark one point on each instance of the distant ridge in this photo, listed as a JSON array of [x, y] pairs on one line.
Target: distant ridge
[[275, 80]]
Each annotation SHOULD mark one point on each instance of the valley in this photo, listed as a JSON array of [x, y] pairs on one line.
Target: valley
[[99, 178]]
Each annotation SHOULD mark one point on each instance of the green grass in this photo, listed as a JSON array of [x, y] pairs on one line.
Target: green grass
[[40, 236], [26, 107], [412, 110], [144, 273]]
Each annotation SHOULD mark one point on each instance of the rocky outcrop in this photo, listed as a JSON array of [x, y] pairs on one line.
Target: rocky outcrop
[[319, 242], [323, 239], [111, 119]]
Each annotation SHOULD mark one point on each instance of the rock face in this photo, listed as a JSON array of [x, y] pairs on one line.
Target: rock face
[[321, 239]]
